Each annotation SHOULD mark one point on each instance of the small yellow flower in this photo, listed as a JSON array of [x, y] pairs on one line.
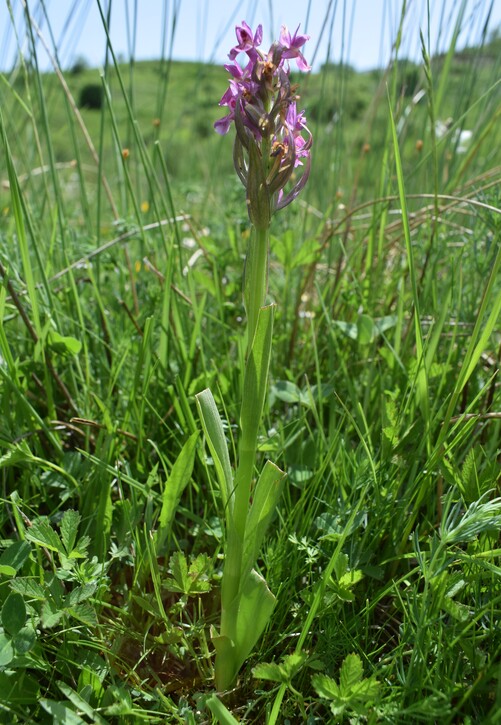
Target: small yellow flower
[[137, 265], [145, 206], [125, 154]]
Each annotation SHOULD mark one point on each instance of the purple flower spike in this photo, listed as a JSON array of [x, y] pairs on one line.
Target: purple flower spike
[[272, 138]]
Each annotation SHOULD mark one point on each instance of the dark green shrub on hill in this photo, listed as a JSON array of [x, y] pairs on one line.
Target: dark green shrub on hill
[[91, 96]]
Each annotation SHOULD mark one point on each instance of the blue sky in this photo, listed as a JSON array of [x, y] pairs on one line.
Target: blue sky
[[205, 28]]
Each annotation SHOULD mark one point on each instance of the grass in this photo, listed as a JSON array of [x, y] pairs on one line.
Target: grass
[[121, 300]]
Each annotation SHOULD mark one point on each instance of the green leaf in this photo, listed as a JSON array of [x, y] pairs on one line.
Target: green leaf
[[270, 671], [256, 378], [266, 495], [179, 569], [352, 671], [84, 613], [220, 711], [69, 529], [250, 610], [63, 345], [365, 329], [42, 533], [283, 672], [13, 613], [289, 392], [6, 650], [24, 640], [51, 614], [18, 688], [80, 703], [350, 329], [14, 557], [29, 588], [325, 686], [79, 594], [353, 694], [214, 434], [188, 581], [62, 714], [174, 487]]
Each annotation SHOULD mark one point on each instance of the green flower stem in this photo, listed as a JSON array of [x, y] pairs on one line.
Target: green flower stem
[[255, 279], [255, 377]]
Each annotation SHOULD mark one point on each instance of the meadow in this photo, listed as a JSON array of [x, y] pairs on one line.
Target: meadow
[[123, 233]]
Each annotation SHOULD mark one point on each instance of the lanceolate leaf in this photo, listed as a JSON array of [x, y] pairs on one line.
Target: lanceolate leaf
[[214, 433], [174, 487], [266, 494], [256, 377]]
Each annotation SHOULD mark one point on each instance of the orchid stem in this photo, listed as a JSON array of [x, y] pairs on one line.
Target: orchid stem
[[255, 279]]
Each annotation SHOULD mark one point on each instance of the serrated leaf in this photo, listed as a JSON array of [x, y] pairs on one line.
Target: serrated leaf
[[69, 528], [459, 611], [29, 588], [351, 672], [282, 672], [270, 671], [79, 594], [85, 613], [51, 615], [42, 533], [364, 691], [19, 453], [13, 613], [80, 550], [179, 569], [325, 686]]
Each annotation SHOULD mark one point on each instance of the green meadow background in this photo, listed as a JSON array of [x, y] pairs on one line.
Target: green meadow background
[[123, 231]]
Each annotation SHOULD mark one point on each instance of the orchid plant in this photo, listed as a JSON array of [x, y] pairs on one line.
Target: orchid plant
[[272, 159]]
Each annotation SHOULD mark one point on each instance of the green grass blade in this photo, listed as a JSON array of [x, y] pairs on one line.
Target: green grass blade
[[174, 487]]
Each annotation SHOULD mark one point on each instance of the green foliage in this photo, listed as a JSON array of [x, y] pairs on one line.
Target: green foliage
[[353, 694], [121, 299], [91, 97]]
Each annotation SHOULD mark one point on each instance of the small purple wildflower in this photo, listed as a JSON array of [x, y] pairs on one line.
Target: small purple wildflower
[[292, 46], [272, 138]]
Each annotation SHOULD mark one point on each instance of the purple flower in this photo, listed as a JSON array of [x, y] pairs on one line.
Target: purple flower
[[272, 138], [292, 45], [247, 41]]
